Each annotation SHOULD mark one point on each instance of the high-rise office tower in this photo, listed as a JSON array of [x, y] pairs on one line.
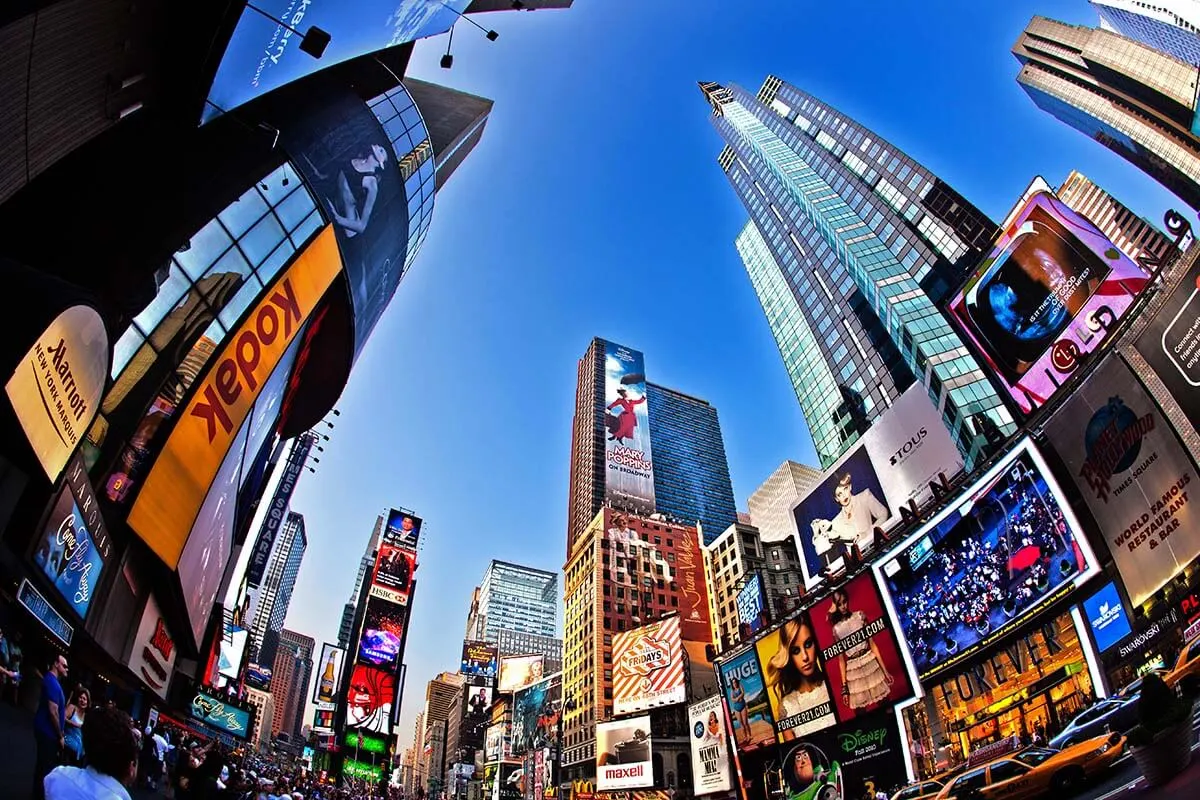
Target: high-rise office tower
[[514, 597], [264, 704], [269, 607], [1136, 237], [290, 678], [771, 504], [851, 247], [365, 565], [1172, 26], [691, 473], [1135, 100], [440, 696]]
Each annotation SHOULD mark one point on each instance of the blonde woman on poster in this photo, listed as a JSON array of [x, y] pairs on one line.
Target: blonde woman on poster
[[865, 681], [796, 679]]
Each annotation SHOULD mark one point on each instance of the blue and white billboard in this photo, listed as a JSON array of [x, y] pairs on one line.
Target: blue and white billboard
[[1106, 615], [67, 554], [264, 52], [751, 605], [629, 476]]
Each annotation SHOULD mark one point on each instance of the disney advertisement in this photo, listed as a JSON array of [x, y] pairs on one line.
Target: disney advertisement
[[854, 760], [629, 479], [749, 709], [793, 671], [862, 660]]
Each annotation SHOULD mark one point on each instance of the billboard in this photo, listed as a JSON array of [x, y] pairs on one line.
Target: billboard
[[863, 663], [369, 700], [479, 659], [233, 649], [258, 676], [204, 433], [55, 388], [648, 667], [623, 749], [278, 510], [323, 719], [857, 759], [508, 781], [152, 656], [710, 750], [394, 568], [1005, 547], [1133, 474], [477, 706], [403, 529], [693, 589], [1171, 341], [518, 671], [536, 710], [1046, 297], [896, 463], [220, 715], [1106, 616], [752, 606], [746, 695], [382, 633], [793, 673], [497, 743], [629, 473], [362, 742], [67, 552], [264, 52], [329, 673]]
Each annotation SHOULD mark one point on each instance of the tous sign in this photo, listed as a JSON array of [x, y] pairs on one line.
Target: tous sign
[[179, 481]]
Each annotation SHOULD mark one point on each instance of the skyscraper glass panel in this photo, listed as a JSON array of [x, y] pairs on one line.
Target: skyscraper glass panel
[[517, 598]]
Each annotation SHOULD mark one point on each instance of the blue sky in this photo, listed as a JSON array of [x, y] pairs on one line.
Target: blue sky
[[594, 206]]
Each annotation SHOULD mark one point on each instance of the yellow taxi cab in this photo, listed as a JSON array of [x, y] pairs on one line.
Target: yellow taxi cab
[[1187, 665], [1035, 770], [919, 791]]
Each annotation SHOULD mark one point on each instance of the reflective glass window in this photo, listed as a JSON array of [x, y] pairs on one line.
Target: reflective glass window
[[206, 247], [245, 295], [261, 240], [239, 215], [169, 293]]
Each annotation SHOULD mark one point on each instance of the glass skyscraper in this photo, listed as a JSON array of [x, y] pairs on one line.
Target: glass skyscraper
[[851, 247], [271, 606], [691, 473], [515, 598], [1172, 26]]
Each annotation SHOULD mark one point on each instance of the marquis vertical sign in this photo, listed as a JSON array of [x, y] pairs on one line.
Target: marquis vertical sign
[[278, 510], [629, 473]]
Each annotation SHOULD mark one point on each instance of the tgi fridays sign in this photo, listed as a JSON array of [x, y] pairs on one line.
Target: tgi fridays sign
[[153, 654]]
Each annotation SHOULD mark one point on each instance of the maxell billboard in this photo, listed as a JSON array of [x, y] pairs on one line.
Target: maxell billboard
[[897, 463], [629, 473], [623, 755], [1133, 474], [278, 510]]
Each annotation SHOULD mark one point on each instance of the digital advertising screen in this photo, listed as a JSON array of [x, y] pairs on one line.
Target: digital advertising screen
[[623, 754], [382, 633], [1171, 342], [518, 671], [369, 700], [1005, 547], [258, 676], [480, 659], [752, 606], [629, 481], [710, 749], [477, 708], [1106, 615], [1045, 298], [220, 715], [647, 667], [403, 529], [857, 759], [1133, 473], [497, 743], [794, 674], [328, 673], [67, 554], [323, 719], [361, 741], [233, 649], [536, 710], [749, 708], [508, 783], [394, 568]]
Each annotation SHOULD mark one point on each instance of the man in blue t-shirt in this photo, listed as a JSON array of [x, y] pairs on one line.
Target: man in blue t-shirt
[[49, 724]]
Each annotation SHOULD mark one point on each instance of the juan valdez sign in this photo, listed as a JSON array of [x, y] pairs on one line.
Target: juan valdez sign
[[179, 481]]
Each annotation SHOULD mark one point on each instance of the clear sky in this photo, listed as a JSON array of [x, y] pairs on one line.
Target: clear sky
[[594, 206]]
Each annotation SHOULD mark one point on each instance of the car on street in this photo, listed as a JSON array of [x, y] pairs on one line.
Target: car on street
[[1034, 771], [1119, 714], [919, 790], [1187, 666], [1135, 686]]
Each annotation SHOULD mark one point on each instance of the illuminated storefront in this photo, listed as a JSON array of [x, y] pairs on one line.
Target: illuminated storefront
[[1036, 681]]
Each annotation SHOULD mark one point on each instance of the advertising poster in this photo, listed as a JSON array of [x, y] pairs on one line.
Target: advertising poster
[[382, 633], [648, 667], [993, 557], [323, 719], [479, 659], [1133, 474], [328, 673], [497, 743], [394, 568], [623, 751], [752, 606], [518, 671], [1171, 344], [220, 715], [536, 710], [1106, 616], [361, 742], [862, 659], [904, 453], [749, 709], [629, 476], [509, 781], [233, 648], [477, 707], [265, 52], [852, 760], [402, 530], [152, 657], [258, 676], [68, 556], [710, 749], [794, 674], [1045, 298], [369, 701], [693, 588]]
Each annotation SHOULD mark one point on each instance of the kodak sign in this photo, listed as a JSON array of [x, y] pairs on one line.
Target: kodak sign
[[205, 429]]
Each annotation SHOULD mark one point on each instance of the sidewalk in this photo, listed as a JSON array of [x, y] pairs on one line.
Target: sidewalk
[[1185, 786]]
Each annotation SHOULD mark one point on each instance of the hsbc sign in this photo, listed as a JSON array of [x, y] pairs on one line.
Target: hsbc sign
[[176, 486]]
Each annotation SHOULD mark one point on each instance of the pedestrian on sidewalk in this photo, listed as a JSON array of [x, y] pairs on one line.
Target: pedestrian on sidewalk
[[111, 747], [49, 724]]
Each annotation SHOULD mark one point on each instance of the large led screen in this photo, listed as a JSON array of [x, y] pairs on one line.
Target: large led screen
[[857, 759], [394, 568], [403, 529], [369, 700], [265, 52], [623, 750], [233, 649], [477, 704], [382, 633], [746, 695], [1171, 343], [479, 660], [328, 673], [1047, 296], [1106, 615], [518, 671], [220, 715], [535, 715], [648, 667], [629, 481], [1008, 545]]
